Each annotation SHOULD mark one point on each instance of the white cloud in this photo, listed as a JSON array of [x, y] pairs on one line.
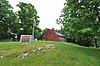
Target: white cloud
[[48, 10]]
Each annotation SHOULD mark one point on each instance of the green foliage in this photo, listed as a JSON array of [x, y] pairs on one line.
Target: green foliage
[[64, 54], [18, 23], [81, 19], [38, 32], [86, 30], [44, 30], [26, 15], [7, 19]]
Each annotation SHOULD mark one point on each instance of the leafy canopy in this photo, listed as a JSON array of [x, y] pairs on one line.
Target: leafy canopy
[[26, 15], [81, 19], [7, 19]]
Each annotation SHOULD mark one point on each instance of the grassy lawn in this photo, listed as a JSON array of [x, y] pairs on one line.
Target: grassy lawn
[[64, 54]]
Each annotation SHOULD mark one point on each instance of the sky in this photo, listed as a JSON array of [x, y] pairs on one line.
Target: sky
[[48, 11]]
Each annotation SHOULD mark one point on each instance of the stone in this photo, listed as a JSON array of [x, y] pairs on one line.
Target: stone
[[39, 49], [1, 56], [23, 55], [26, 39], [26, 54], [34, 50], [49, 46]]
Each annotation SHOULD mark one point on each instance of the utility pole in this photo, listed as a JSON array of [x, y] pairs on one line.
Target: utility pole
[[33, 31]]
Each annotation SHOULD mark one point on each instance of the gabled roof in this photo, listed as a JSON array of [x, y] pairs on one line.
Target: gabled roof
[[60, 35]]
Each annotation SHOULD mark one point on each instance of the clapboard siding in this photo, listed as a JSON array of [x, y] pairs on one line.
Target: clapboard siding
[[51, 35]]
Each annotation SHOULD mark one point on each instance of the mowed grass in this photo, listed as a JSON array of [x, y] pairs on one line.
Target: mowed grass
[[63, 54]]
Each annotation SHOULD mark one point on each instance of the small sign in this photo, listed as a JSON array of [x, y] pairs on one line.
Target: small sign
[[26, 39]]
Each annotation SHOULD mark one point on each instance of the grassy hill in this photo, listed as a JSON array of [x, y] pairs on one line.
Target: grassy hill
[[63, 54]]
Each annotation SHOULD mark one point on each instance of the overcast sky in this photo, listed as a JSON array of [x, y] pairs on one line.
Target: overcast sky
[[48, 11]]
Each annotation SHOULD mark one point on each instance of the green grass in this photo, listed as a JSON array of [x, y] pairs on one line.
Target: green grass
[[64, 54]]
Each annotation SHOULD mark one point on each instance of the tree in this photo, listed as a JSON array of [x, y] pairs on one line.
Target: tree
[[81, 20], [37, 33], [7, 20], [26, 15]]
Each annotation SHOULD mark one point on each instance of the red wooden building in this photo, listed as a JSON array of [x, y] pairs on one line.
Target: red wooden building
[[51, 35]]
